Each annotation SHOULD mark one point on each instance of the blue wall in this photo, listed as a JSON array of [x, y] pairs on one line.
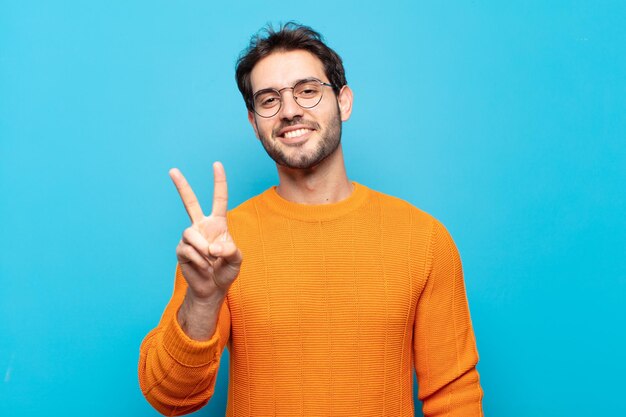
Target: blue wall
[[506, 120]]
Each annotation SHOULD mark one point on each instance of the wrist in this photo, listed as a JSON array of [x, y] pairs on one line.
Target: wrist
[[205, 302], [197, 317]]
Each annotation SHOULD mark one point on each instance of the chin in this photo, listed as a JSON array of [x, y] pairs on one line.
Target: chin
[[304, 161], [308, 154]]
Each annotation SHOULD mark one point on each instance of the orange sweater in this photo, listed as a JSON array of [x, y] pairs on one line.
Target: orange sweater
[[333, 308]]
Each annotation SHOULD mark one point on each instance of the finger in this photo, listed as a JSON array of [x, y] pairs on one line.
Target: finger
[[193, 237], [220, 191], [187, 254], [227, 251], [190, 201]]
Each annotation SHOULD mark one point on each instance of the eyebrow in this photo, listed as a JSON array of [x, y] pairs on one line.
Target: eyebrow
[[266, 90]]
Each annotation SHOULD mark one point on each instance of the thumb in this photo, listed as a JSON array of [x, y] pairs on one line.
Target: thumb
[[228, 251]]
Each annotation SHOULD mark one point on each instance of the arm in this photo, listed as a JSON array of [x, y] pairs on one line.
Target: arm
[[179, 359], [176, 373], [444, 344]]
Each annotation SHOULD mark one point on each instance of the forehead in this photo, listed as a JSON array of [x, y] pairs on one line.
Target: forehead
[[283, 68]]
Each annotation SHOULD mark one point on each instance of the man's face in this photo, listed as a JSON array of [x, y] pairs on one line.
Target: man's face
[[296, 137]]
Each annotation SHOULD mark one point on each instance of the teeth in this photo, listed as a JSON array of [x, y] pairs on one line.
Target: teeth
[[296, 133]]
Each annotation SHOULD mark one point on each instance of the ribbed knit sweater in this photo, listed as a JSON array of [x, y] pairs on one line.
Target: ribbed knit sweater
[[334, 307]]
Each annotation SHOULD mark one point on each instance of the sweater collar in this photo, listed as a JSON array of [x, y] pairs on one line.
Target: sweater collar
[[317, 212]]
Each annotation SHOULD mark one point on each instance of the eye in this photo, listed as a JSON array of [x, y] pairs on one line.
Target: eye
[[267, 100], [307, 90]]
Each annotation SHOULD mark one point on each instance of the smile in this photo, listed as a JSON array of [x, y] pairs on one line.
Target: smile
[[296, 133]]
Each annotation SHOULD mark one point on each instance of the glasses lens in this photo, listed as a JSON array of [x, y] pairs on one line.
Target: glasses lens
[[308, 93], [267, 103]]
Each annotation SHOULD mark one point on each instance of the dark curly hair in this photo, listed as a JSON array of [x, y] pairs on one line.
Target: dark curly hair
[[289, 37]]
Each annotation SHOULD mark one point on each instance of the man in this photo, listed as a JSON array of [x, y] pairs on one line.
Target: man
[[326, 292]]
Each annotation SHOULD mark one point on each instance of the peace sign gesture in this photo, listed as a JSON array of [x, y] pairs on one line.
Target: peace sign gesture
[[207, 254]]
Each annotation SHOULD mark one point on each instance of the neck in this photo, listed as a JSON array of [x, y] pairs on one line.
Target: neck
[[324, 183]]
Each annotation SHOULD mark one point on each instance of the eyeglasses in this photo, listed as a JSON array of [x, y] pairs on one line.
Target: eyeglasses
[[307, 93]]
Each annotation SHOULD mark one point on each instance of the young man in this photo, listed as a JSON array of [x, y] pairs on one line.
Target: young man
[[327, 293]]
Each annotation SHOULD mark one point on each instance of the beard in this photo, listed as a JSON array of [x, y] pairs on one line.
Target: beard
[[300, 158]]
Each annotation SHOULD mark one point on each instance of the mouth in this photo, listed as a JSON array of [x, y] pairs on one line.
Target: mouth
[[295, 134]]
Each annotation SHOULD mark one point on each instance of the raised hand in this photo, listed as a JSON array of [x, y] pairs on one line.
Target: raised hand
[[207, 255]]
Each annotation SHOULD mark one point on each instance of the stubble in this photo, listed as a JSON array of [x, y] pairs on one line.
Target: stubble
[[298, 157]]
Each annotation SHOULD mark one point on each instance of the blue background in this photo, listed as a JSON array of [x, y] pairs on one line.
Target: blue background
[[505, 120]]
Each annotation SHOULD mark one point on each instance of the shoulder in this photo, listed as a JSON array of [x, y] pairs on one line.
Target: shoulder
[[394, 207], [431, 238], [428, 236], [425, 226]]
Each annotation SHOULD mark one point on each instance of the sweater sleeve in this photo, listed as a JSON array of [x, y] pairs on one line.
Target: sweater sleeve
[[177, 374], [444, 348]]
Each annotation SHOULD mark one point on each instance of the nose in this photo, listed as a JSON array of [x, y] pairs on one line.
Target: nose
[[289, 108]]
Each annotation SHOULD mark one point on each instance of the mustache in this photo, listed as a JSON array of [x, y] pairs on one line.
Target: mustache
[[295, 121]]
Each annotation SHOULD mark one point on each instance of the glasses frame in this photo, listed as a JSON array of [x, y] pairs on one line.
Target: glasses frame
[[279, 93]]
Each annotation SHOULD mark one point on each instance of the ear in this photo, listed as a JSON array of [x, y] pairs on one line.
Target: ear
[[253, 123], [344, 99]]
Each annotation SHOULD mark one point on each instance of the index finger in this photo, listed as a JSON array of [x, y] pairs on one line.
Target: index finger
[[220, 191], [190, 201]]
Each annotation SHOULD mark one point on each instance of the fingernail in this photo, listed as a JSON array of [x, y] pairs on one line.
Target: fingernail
[[214, 248]]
